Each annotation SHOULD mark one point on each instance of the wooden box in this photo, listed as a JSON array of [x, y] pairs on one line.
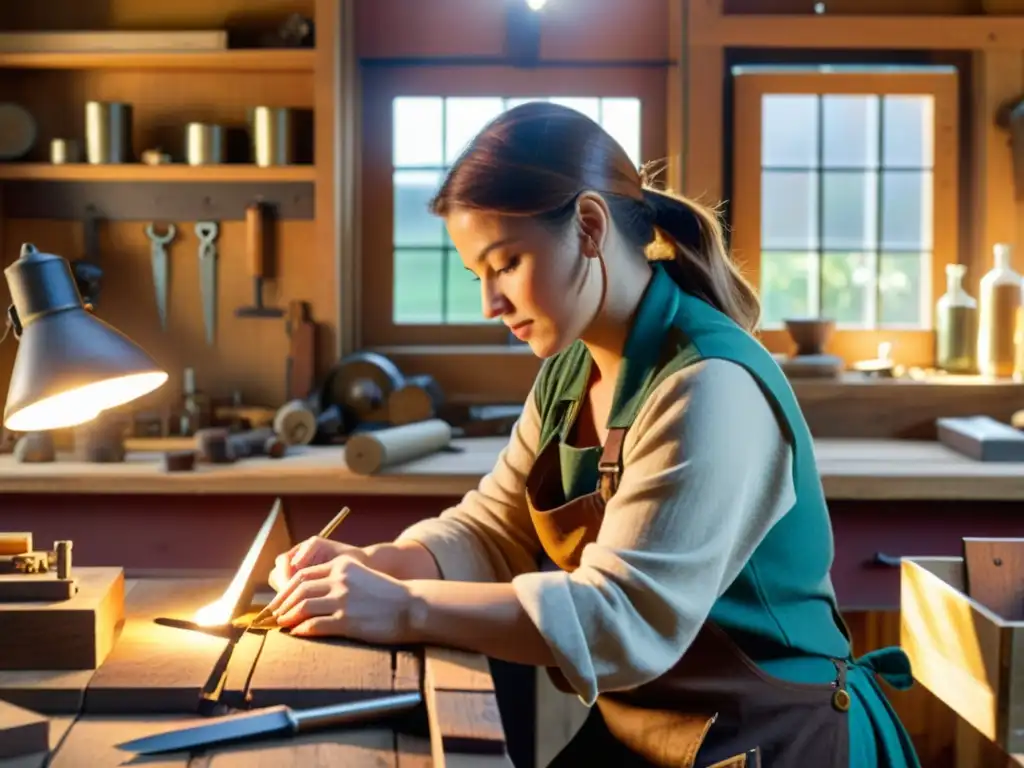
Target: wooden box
[[964, 653], [77, 633]]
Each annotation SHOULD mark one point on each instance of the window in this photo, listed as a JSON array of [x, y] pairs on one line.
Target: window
[[416, 120], [431, 286], [844, 201]]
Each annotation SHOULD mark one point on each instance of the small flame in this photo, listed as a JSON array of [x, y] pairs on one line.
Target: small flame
[[215, 614]]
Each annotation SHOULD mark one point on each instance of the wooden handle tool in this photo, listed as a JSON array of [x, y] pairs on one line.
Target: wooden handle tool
[[256, 256]]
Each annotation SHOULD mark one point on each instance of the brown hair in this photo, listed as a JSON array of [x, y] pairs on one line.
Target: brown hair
[[537, 158]]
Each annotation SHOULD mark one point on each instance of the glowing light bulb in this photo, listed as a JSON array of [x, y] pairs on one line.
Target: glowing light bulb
[[536, 5]]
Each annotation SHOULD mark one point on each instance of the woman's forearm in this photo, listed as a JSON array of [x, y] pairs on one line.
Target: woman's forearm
[[404, 560], [480, 617]]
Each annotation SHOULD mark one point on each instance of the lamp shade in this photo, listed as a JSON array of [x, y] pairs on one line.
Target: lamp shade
[[70, 365]]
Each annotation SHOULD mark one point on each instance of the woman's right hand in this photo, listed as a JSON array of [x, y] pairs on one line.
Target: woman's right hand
[[313, 551]]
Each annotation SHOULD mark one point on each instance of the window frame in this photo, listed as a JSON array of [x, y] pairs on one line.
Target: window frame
[[750, 85], [381, 85]]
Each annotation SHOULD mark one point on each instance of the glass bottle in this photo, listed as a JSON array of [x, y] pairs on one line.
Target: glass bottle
[[956, 325], [999, 300]]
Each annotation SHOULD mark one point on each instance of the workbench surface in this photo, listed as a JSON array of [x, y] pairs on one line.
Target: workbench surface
[[850, 469], [152, 680]]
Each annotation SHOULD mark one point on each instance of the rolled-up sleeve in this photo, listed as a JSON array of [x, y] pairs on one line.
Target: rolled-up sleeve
[[488, 535], [707, 473]]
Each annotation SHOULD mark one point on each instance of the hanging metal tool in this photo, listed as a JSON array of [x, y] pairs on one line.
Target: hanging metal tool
[[158, 248], [207, 232], [87, 271], [256, 251]]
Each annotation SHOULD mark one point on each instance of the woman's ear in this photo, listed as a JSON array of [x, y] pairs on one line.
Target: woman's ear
[[594, 221]]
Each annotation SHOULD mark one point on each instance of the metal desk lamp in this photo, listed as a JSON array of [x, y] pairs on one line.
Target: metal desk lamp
[[70, 365]]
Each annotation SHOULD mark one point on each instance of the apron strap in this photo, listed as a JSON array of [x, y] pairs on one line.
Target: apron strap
[[610, 463]]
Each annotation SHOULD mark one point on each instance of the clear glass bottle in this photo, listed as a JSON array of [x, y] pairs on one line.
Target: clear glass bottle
[[999, 301], [956, 325]]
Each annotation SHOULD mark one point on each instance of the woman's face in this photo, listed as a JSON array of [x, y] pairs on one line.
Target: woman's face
[[533, 278]]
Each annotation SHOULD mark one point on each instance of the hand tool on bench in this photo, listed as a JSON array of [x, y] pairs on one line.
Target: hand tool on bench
[[158, 254], [274, 720], [301, 368], [256, 252], [207, 232]]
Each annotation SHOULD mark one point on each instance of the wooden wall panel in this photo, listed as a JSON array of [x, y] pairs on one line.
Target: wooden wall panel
[[606, 30], [856, 7]]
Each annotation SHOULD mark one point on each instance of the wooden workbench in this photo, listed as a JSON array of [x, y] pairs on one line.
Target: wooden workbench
[[850, 470], [152, 679]]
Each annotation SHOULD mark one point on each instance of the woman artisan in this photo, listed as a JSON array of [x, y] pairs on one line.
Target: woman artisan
[[655, 532]]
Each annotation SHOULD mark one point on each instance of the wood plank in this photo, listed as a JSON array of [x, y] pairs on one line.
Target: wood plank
[[358, 748], [154, 669], [298, 60], [462, 708], [923, 32], [22, 732], [313, 672], [60, 691], [92, 742], [59, 726], [68, 634]]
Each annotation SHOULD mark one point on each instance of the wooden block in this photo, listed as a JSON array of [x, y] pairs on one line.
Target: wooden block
[[154, 669], [961, 651], [358, 748], [462, 708], [982, 438], [36, 587], [15, 543], [312, 672], [92, 742], [244, 657], [59, 727], [49, 692], [22, 732], [994, 570], [69, 634]]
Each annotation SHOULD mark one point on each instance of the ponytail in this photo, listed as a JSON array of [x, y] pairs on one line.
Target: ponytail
[[700, 263]]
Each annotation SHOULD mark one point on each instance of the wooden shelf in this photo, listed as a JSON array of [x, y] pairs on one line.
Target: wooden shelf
[[177, 172], [258, 60]]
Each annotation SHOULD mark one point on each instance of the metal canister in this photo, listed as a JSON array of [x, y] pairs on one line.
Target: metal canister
[[204, 144], [63, 151], [272, 136], [108, 132]]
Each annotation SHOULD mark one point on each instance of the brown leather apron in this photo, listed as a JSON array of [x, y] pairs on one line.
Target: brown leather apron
[[715, 707]]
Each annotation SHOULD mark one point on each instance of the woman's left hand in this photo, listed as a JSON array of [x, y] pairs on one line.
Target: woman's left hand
[[344, 597]]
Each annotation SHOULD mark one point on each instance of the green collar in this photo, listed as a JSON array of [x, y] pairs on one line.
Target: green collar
[[654, 316]]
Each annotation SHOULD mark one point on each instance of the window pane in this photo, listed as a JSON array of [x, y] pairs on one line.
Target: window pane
[[850, 210], [464, 120], [789, 210], [786, 286], [909, 131], [418, 283], [417, 131], [907, 210], [850, 131], [789, 131], [464, 302], [414, 224], [591, 107], [900, 284], [621, 118], [848, 288]]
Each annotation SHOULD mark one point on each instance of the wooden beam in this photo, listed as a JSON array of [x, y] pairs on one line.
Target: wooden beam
[[891, 32], [704, 73], [998, 77]]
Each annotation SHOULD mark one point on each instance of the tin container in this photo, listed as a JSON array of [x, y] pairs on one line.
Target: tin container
[[108, 131], [64, 151], [272, 136], [204, 144]]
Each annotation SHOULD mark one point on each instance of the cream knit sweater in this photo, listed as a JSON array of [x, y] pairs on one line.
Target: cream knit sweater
[[707, 473]]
